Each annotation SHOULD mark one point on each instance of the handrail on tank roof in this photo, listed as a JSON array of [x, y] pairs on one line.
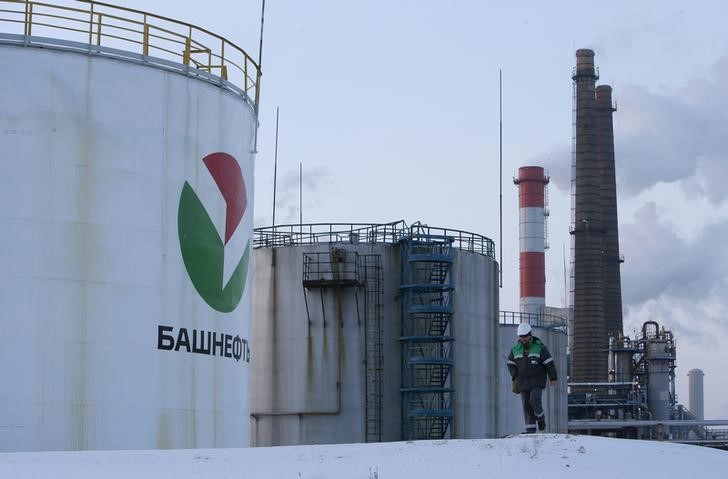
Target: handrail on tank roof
[[110, 30], [313, 233], [387, 233]]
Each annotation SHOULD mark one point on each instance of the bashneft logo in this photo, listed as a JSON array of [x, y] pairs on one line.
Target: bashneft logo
[[203, 251]]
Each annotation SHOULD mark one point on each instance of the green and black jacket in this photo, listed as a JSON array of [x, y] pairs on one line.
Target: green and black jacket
[[530, 364]]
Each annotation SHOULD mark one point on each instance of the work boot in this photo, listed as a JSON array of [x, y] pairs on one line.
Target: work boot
[[542, 424], [530, 428]]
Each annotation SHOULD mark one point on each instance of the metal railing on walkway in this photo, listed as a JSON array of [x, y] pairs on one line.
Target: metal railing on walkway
[[388, 233], [313, 233], [119, 32]]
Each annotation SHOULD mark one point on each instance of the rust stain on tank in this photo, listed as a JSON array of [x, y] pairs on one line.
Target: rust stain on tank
[[325, 345], [340, 322], [309, 363], [276, 400]]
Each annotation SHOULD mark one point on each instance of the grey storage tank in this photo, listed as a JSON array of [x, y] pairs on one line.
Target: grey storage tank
[[373, 332]]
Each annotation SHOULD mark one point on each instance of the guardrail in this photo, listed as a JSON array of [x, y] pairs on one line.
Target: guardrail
[[296, 234], [462, 240], [105, 29]]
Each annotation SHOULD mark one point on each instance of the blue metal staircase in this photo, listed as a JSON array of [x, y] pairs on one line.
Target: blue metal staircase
[[426, 334]]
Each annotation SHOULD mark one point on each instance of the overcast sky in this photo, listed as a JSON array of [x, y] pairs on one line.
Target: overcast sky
[[392, 108]]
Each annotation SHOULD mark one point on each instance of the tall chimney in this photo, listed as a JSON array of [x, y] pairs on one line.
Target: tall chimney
[[531, 183], [590, 341], [611, 257]]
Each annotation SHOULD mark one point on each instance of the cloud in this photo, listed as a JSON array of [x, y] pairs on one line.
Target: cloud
[[674, 136], [709, 179], [289, 190], [661, 264], [677, 137], [557, 162]]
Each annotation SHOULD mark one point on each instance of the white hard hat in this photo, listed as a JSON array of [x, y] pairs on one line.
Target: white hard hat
[[524, 329]]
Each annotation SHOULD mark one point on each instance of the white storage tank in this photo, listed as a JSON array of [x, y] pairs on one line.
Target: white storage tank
[[341, 356], [126, 187]]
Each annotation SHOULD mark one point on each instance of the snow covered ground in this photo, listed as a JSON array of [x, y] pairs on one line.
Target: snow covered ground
[[548, 456]]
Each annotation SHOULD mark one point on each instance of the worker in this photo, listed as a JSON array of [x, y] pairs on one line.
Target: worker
[[529, 362]]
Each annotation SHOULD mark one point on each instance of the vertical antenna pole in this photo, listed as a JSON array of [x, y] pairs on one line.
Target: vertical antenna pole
[[260, 46], [275, 170], [260, 59], [500, 157], [258, 74], [300, 194], [566, 282]]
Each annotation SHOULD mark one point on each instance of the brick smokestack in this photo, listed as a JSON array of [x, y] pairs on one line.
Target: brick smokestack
[[590, 342], [611, 257]]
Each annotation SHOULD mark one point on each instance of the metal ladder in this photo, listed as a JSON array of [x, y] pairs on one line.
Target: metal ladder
[[373, 279]]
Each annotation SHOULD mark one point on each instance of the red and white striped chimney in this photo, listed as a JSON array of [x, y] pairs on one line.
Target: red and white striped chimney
[[531, 183]]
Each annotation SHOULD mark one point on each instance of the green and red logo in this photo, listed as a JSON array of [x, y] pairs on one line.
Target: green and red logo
[[203, 250]]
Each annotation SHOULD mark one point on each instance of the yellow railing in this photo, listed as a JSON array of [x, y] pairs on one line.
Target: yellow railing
[[108, 29]]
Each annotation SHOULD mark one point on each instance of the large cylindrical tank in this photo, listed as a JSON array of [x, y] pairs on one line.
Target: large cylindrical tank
[[125, 231], [327, 324], [476, 348], [695, 393]]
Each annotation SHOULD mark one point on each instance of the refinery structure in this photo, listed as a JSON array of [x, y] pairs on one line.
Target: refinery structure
[[618, 386], [153, 315]]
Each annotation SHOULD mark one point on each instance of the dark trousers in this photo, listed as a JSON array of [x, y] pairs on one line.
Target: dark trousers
[[532, 407]]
